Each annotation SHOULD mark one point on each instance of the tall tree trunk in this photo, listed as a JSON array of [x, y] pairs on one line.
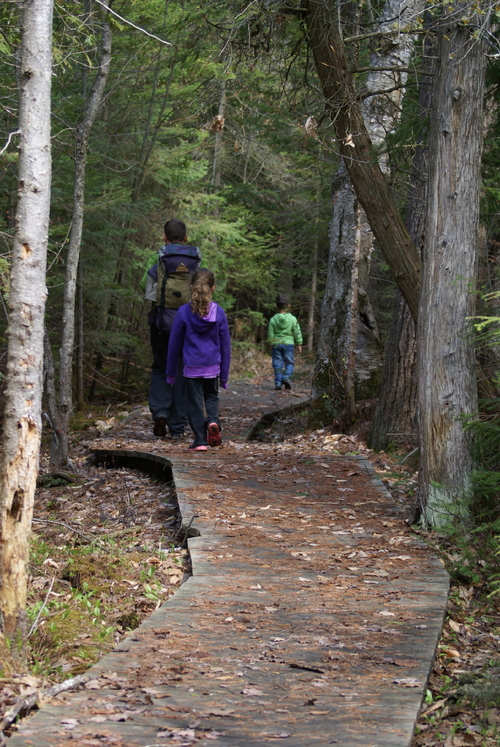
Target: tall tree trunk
[[65, 400], [396, 412], [80, 340], [353, 316], [446, 360], [218, 127], [312, 300], [334, 335], [22, 420]]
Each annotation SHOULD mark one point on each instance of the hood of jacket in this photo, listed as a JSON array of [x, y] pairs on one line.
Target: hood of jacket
[[282, 323], [202, 324]]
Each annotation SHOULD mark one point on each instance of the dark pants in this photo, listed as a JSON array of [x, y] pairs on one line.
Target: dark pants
[[200, 393], [166, 401]]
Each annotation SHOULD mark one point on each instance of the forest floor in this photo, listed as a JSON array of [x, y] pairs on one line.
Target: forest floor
[[108, 550]]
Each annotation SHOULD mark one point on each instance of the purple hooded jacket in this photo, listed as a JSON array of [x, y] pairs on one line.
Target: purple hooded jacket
[[204, 343]]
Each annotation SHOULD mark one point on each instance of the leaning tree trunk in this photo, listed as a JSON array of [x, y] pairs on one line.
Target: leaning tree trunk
[[446, 360], [349, 337], [61, 418], [23, 396], [372, 189]]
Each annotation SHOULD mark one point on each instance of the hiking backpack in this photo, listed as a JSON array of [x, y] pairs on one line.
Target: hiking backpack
[[174, 288], [168, 283]]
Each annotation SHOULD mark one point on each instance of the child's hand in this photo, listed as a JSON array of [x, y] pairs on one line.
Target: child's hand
[[299, 349]]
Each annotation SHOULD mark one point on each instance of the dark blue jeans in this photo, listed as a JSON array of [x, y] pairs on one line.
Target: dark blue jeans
[[202, 393], [283, 363], [166, 401]]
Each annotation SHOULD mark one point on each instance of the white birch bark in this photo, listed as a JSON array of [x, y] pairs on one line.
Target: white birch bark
[[22, 419]]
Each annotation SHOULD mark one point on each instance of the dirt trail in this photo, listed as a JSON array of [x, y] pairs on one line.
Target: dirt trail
[[311, 617]]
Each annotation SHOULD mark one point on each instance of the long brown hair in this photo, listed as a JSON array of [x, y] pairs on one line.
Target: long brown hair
[[202, 287]]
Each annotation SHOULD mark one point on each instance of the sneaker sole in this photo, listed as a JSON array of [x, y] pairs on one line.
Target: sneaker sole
[[198, 448], [213, 435]]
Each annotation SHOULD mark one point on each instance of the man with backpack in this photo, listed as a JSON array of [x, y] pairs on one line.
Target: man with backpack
[[167, 284]]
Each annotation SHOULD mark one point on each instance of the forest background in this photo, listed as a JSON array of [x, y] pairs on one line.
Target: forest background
[[258, 206], [241, 118]]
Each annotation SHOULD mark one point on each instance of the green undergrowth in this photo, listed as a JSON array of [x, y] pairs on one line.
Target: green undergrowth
[[480, 689], [83, 599]]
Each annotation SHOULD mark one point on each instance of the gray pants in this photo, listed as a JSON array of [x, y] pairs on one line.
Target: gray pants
[[166, 401]]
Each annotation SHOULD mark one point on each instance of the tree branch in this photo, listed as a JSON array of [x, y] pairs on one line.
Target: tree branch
[[384, 33], [129, 23], [11, 135], [30, 701]]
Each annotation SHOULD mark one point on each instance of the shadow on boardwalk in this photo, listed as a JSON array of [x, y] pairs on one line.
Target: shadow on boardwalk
[[311, 618]]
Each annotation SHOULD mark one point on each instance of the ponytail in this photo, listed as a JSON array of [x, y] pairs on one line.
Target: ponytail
[[202, 287]]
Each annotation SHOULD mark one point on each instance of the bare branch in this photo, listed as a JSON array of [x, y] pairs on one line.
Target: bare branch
[[129, 23], [35, 624], [11, 135], [385, 32], [90, 540]]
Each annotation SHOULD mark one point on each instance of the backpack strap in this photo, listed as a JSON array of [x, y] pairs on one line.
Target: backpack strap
[[163, 286]]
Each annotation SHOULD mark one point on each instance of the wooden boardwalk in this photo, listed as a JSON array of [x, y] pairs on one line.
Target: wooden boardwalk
[[312, 617]]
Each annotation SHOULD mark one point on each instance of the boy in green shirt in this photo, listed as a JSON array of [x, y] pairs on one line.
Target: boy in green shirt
[[283, 334]]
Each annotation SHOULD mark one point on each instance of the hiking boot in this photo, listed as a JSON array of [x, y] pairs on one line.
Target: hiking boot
[[287, 385], [277, 388], [200, 447], [160, 427], [213, 435]]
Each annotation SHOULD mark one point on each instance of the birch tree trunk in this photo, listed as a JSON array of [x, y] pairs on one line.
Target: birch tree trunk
[[349, 337], [22, 419], [61, 418], [446, 360]]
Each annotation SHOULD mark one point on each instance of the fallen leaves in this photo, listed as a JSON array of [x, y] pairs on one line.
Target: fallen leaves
[[408, 682], [337, 501]]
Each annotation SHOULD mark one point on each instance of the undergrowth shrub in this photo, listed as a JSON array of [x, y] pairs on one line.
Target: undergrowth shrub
[[483, 541]]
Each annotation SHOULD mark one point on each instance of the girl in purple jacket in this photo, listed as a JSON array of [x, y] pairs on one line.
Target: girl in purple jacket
[[200, 334]]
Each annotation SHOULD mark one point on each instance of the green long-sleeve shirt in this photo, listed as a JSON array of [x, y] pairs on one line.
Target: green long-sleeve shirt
[[284, 329]]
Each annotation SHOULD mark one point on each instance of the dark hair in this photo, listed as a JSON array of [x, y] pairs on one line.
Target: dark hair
[[175, 230], [202, 287], [282, 301]]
